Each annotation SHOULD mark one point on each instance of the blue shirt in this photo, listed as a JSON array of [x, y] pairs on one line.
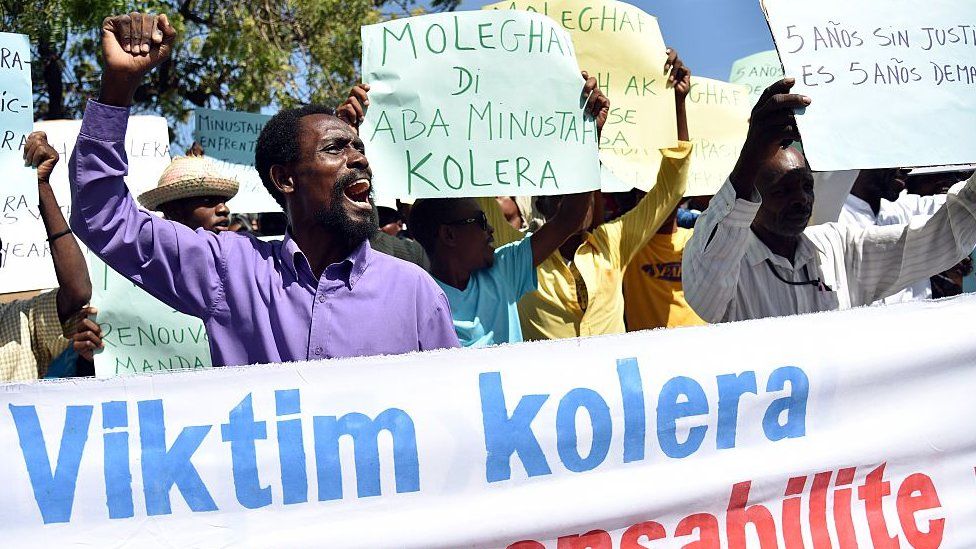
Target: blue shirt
[[485, 313]]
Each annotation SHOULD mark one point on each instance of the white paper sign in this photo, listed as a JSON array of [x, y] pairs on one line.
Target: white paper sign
[[838, 426], [25, 255], [892, 81]]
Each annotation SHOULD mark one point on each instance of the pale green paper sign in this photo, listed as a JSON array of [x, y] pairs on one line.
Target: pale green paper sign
[[140, 333], [16, 116], [479, 103], [229, 138], [757, 71], [892, 81]]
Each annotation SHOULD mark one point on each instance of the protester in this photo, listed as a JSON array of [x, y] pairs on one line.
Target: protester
[[483, 284], [580, 289], [322, 292], [753, 256], [32, 329], [653, 294], [192, 192], [878, 198], [390, 220]]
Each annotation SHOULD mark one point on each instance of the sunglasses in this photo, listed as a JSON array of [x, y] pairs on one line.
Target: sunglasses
[[480, 218]]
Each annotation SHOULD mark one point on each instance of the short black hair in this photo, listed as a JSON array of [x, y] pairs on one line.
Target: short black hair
[[278, 143], [426, 217]]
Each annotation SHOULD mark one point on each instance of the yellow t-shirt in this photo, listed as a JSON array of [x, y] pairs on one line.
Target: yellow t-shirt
[[585, 297], [653, 295]]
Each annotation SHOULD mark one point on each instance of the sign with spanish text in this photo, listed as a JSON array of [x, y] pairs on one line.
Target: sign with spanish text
[[622, 47], [757, 71], [478, 103], [229, 139], [892, 84], [16, 117], [25, 254], [614, 441], [141, 334]]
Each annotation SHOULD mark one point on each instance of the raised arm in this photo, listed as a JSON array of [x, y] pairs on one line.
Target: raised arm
[[633, 230], [883, 260], [570, 217], [74, 284], [712, 258], [168, 260]]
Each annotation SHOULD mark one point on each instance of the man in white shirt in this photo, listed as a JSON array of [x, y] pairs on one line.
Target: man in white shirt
[[753, 256], [878, 198]]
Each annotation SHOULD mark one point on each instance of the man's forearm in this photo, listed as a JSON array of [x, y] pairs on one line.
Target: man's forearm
[[681, 114], [69, 262]]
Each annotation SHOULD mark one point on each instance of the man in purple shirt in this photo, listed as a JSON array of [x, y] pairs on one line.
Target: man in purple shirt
[[322, 292]]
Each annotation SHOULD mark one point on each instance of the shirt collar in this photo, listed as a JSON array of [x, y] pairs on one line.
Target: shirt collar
[[350, 269], [860, 207], [757, 253]]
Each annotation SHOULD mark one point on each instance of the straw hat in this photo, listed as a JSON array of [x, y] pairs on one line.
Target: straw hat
[[185, 177]]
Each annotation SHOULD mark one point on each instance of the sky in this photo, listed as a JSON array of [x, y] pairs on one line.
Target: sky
[[708, 34]]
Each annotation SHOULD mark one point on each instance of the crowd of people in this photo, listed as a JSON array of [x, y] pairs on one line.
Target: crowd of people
[[348, 278]]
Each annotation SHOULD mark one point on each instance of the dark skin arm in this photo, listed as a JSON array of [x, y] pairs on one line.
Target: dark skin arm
[[75, 286], [680, 80], [87, 335], [771, 127], [571, 216]]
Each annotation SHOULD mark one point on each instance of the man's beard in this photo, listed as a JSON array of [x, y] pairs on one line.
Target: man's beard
[[338, 220]]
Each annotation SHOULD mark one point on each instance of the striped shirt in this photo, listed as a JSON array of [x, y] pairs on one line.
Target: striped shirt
[[31, 333], [726, 277]]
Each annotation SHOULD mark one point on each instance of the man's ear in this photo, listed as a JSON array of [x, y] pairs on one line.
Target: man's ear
[[281, 179], [447, 236]]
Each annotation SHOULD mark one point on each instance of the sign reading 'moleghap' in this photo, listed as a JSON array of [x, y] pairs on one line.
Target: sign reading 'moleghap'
[[609, 436], [456, 107]]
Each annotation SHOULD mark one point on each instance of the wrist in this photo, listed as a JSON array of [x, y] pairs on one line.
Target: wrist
[[118, 90]]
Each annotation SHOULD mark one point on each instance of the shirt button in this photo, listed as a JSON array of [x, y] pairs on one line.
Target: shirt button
[[321, 298], [318, 351]]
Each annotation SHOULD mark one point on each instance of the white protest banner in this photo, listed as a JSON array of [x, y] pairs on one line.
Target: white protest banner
[[718, 120], [622, 47], [140, 333], [26, 254], [892, 83], [853, 426], [229, 139], [479, 103], [757, 72], [16, 116]]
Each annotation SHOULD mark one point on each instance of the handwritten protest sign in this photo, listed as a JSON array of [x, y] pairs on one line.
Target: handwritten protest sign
[[25, 255], [140, 333], [229, 139], [757, 72], [892, 84], [476, 104], [718, 120], [623, 48], [16, 116]]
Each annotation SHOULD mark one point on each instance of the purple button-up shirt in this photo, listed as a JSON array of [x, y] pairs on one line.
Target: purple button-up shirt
[[259, 300]]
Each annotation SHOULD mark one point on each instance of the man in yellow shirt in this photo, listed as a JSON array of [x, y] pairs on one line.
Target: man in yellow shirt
[[581, 287], [653, 295]]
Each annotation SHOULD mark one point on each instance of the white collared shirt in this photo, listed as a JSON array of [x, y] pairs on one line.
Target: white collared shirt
[[726, 278]]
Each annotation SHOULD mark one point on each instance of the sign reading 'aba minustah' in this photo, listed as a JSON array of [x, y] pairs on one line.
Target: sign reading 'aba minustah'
[[456, 108], [602, 442]]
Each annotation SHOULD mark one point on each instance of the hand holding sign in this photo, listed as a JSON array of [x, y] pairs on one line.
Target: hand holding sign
[[353, 110], [771, 127], [132, 45]]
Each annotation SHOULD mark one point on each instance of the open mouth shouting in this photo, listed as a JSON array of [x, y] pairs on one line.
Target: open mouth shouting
[[357, 193]]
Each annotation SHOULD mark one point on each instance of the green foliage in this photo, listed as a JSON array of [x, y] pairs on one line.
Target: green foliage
[[237, 55]]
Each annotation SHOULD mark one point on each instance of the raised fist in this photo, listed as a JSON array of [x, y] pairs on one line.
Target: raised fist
[[133, 45], [38, 153]]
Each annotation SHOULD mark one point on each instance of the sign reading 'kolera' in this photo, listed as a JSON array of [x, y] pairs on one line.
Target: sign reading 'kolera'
[[455, 107], [602, 442]]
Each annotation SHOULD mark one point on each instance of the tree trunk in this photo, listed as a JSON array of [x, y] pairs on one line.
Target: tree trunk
[[53, 80]]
